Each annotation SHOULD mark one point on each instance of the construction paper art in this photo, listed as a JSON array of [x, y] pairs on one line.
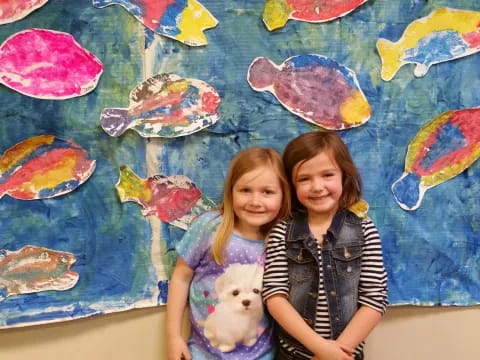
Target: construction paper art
[[43, 167], [13, 10], [442, 149], [278, 12], [446, 34], [182, 20], [165, 105], [173, 199], [48, 64], [33, 269], [314, 87]]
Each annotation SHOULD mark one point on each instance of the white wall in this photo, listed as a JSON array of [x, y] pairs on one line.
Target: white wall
[[407, 333]]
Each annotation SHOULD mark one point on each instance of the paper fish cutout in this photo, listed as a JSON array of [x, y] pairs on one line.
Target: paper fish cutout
[[13, 10], [182, 20], [278, 12], [43, 167], [48, 64], [444, 35], [173, 199], [33, 269], [314, 87], [360, 208], [165, 105], [442, 149]]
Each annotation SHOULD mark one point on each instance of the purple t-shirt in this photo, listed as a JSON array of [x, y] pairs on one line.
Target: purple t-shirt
[[226, 310]]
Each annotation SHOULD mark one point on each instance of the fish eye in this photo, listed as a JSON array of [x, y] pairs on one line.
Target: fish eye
[[235, 292], [44, 255], [256, 291]]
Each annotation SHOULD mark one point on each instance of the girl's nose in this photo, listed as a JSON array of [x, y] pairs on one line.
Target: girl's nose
[[255, 199], [317, 184]]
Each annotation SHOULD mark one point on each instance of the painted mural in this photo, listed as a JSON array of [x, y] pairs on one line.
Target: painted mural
[[123, 259]]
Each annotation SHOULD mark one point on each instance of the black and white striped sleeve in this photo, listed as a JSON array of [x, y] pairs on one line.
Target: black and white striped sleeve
[[373, 277], [275, 277]]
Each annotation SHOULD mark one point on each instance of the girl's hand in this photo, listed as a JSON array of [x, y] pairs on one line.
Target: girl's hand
[[334, 351], [178, 349]]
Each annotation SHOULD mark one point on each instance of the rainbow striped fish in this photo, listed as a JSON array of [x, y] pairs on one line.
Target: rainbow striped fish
[[48, 64], [165, 105], [446, 34], [33, 269], [43, 167], [182, 20], [442, 149], [314, 87], [278, 12], [13, 10], [173, 199]]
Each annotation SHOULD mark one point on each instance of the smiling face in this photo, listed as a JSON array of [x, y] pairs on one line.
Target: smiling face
[[318, 185], [257, 198]]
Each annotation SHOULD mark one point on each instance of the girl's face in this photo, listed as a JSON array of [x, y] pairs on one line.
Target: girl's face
[[318, 184], [257, 199]]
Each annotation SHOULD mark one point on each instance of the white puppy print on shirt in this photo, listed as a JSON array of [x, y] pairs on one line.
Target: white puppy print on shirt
[[240, 308]]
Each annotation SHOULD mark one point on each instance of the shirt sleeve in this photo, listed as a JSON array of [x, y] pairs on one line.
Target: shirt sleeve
[[275, 277], [195, 243], [373, 277]]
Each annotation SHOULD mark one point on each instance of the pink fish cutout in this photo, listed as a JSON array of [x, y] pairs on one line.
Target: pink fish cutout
[[278, 12], [48, 64], [13, 10], [43, 167], [314, 87], [173, 199], [33, 269]]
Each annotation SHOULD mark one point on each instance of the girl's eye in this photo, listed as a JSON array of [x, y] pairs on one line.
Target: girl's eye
[[235, 292], [244, 190], [269, 192], [302, 179]]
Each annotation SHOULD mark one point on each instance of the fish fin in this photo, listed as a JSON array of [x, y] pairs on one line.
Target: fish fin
[[103, 3], [130, 187], [421, 70], [276, 14], [261, 73], [390, 54], [115, 121], [407, 191]]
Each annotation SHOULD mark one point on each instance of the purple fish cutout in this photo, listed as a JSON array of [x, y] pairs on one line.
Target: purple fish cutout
[[314, 87], [48, 64], [13, 10]]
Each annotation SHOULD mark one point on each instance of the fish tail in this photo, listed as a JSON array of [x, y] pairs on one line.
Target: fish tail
[[407, 191], [129, 186], [390, 54], [261, 73], [102, 3], [276, 14], [115, 121]]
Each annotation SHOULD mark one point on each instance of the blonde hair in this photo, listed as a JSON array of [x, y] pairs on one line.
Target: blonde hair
[[307, 146], [244, 162]]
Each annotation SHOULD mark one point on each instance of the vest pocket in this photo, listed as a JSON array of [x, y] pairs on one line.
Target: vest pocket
[[300, 264], [348, 260]]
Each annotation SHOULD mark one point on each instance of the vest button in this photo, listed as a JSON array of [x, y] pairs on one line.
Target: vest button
[[333, 293], [329, 267]]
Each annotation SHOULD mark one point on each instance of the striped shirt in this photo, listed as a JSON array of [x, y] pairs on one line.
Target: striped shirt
[[372, 290]]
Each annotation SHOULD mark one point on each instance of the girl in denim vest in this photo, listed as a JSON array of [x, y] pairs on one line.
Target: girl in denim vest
[[324, 283], [220, 266]]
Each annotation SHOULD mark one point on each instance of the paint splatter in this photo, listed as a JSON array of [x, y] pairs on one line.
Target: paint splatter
[[278, 12], [165, 105], [314, 87], [173, 199], [445, 34], [43, 167], [182, 20], [48, 64], [33, 269], [442, 149]]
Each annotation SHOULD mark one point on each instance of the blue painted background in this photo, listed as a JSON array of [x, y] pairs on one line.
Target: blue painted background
[[432, 254]]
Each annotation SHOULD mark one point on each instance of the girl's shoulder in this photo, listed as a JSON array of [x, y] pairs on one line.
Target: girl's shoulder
[[208, 218]]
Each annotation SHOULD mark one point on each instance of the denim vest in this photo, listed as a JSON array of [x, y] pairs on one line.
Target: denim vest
[[341, 252]]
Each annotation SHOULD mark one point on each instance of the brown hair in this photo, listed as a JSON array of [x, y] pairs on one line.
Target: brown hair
[[307, 146], [246, 161]]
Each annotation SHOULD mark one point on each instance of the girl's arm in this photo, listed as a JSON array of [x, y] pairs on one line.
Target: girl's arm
[[372, 290], [176, 303], [291, 321]]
